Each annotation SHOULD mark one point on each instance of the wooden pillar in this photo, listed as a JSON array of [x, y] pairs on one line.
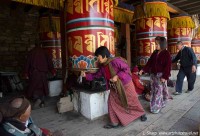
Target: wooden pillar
[[125, 30], [63, 46], [128, 44]]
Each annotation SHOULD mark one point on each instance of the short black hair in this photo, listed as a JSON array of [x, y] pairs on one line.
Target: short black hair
[[162, 42], [103, 51], [157, 38], [179, 42]]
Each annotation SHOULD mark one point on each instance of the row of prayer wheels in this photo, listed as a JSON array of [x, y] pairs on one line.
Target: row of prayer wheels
[[90, 24], [152, 19]]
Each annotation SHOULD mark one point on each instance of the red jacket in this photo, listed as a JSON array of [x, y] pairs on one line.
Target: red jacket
[[138, 86]]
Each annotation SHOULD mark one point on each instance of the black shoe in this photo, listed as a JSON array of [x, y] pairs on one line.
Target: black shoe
[[109, 126], [36, 104], [42, 105], [188, 91], [143, 117]]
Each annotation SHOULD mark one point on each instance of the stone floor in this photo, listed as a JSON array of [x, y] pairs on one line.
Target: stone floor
[[181, 117]]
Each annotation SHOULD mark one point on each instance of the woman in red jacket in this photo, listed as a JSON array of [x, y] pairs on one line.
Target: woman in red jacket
[[159, 66]]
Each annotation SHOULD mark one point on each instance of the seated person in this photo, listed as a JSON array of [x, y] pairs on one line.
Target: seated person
[[136, 81], [14, 116], [141, 87]]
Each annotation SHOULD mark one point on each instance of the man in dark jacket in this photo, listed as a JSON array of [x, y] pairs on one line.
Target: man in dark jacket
[[188, 67]]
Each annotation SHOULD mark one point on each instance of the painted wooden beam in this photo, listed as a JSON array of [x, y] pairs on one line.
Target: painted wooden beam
[[177, 1], [174, 9], [194, 11], [189, 3], [191, 7]]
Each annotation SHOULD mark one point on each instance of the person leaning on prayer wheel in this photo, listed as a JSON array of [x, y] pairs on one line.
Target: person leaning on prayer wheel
[[159, 66], [123, 104], [14, 116]]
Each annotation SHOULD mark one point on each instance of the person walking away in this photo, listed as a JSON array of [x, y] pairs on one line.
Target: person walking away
[[39, 63], [159, 67], [188, 66], [123, 104]]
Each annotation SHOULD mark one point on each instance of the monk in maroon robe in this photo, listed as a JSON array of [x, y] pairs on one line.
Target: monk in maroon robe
[[39, 63]]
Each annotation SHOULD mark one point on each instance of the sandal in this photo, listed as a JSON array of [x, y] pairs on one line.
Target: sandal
[[109, 126], [143, 118], [155, 111]]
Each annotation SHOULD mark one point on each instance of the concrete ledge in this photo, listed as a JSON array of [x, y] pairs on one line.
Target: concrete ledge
[[91, 105], [198, 69]]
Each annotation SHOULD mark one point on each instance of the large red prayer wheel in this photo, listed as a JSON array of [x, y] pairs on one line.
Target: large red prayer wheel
[[89, 25], [148, 26], [195, 44], [179, 29], [50, 38]]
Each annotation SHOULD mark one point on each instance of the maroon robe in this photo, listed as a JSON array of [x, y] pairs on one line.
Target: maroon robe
[[37, 67]]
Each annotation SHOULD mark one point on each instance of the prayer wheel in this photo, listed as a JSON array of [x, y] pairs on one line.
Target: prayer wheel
[[89, 25], [195, 44], [179, 29], [50, 37], [149, 25]]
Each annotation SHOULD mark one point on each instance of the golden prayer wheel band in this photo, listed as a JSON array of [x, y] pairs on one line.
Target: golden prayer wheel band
[[116, 2], [53, 4], [151, 9], [47, 24], [180, 22], [123, 15]]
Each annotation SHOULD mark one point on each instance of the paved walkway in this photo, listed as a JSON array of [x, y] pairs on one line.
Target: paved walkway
[[181, 117]]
